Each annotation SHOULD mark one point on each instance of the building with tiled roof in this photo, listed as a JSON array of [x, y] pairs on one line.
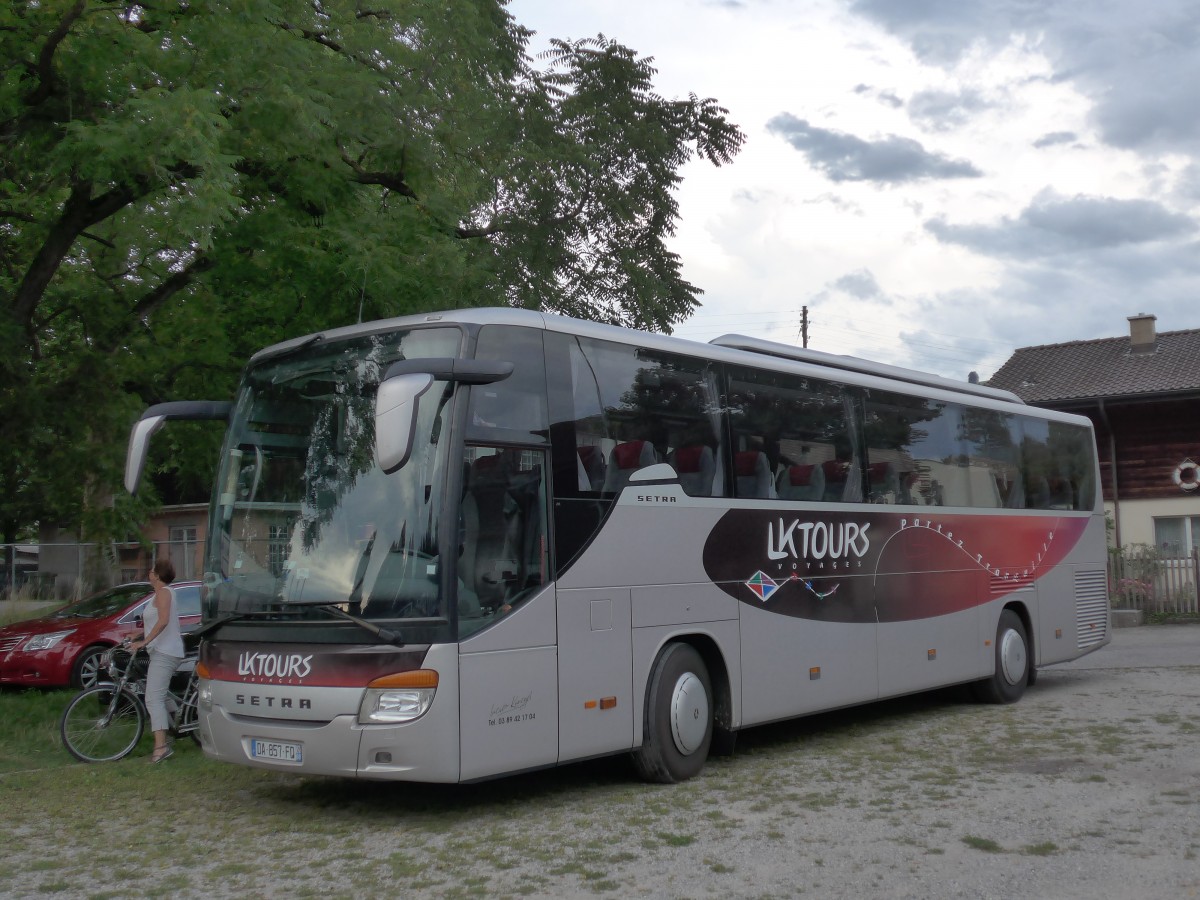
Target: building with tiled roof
[[1142, 392]]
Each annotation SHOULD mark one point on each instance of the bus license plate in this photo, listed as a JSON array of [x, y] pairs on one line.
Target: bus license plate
[[276, 751]]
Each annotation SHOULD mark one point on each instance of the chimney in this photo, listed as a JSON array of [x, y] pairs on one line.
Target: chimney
[[1142, 336]]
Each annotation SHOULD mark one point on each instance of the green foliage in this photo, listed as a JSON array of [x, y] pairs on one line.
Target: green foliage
[[183, 183]]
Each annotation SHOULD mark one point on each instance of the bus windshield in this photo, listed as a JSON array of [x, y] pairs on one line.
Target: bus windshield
[[302, 515]]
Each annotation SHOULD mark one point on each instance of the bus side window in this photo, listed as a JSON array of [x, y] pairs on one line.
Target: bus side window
[[504, 550], [632, 407], [752, 475], [800, 430], [591, 467], [696, 466]]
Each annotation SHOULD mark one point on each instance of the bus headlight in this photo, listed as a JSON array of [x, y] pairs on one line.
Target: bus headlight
[[204, 694], [398, 698]]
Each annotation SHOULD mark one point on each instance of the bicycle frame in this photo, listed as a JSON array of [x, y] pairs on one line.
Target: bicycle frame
[[82, 731], [182, 721]]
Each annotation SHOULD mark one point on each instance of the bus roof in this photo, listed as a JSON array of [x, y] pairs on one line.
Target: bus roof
[[733, 342], [863, 366]]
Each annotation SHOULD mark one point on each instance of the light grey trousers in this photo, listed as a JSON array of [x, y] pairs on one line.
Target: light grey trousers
[[158, 679]]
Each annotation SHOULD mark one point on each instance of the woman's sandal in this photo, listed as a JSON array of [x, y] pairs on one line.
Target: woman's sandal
[[159, 755]]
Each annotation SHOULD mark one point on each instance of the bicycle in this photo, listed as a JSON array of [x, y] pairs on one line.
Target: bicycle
[[104, 723]]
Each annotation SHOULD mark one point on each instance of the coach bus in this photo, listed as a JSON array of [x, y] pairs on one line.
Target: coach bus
[[454, 546]]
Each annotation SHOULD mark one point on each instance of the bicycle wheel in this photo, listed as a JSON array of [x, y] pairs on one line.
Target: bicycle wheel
[[187, 719], [98, 727]]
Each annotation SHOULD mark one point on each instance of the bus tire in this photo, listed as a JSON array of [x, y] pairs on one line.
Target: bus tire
[[678, 725], [1011, 677]]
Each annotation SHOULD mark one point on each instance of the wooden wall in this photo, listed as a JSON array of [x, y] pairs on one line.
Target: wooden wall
[[1152, 438]]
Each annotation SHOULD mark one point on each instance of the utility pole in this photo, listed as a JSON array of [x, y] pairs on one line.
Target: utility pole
[[804, 327]]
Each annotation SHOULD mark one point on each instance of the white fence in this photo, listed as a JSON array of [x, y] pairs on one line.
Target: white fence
[[1142, 578]]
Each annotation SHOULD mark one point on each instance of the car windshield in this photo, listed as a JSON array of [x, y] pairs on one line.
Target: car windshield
[[303, 515], [106, 603]]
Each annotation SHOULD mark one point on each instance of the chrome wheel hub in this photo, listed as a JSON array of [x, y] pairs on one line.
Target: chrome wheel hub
[[689, 713], [1012, 656]]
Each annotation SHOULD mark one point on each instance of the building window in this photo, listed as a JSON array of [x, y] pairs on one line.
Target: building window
[[1177, 536], [277, 547], [183, 550]]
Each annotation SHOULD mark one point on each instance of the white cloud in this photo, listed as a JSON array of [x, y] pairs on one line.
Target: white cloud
[[1138, 62], [1054, 225], [946, 110], [1055, 137], [939, 181], [890, 159]]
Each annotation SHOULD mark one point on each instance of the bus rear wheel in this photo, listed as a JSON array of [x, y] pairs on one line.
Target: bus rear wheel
[[1008, 682], [678, 727]]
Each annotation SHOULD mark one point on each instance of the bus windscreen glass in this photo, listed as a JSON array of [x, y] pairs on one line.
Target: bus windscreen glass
[[303, 515]]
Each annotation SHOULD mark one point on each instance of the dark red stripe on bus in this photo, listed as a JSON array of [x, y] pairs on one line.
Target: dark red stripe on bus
[[858, 566], [317, 665]]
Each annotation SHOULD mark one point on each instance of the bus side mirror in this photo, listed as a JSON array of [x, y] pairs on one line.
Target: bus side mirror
[[400, 390], [397, 404], [139, 446], [153, 419]]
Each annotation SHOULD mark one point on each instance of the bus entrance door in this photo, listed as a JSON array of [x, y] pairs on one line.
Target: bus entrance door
[[509, 692]]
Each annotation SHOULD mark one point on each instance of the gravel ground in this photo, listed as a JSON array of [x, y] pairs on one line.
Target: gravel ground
[[1087, 788]]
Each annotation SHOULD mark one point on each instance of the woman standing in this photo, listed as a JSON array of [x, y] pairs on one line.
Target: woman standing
[[161, 636]]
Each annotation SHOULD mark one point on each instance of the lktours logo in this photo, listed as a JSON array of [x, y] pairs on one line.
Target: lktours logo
[[803, 551], [274, 665], [817, 541]]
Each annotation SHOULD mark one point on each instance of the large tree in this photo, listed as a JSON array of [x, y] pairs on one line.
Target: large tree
[[183, 182]]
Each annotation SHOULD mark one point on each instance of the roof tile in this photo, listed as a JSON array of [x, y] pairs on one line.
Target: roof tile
[[1106, 367]]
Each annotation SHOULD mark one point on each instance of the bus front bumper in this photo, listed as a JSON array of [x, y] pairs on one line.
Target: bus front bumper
[[424, 749]]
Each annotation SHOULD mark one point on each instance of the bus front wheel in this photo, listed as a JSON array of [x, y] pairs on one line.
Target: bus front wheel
[[678, 725], [1008, 682]]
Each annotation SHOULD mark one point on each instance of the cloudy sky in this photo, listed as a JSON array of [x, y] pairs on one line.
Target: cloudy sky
[[938, 181]]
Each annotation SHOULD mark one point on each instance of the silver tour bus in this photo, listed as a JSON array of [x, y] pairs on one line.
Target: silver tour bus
[[454, 546]]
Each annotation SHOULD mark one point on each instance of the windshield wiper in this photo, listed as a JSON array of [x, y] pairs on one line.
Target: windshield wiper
[[384, 634], [208, 627]]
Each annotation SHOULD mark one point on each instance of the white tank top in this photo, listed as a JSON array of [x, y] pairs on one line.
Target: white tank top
[[169, 640]]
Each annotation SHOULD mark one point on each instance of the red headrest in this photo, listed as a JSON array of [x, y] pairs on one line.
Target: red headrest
[[629, 454], [800, 476], [746, 462], [835, 469], [687, 459]]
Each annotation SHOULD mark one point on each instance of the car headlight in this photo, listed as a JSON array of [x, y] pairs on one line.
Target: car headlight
[[398, 698], [46, 641]]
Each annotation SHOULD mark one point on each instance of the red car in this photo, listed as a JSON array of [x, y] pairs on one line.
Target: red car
[[64, 647]]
